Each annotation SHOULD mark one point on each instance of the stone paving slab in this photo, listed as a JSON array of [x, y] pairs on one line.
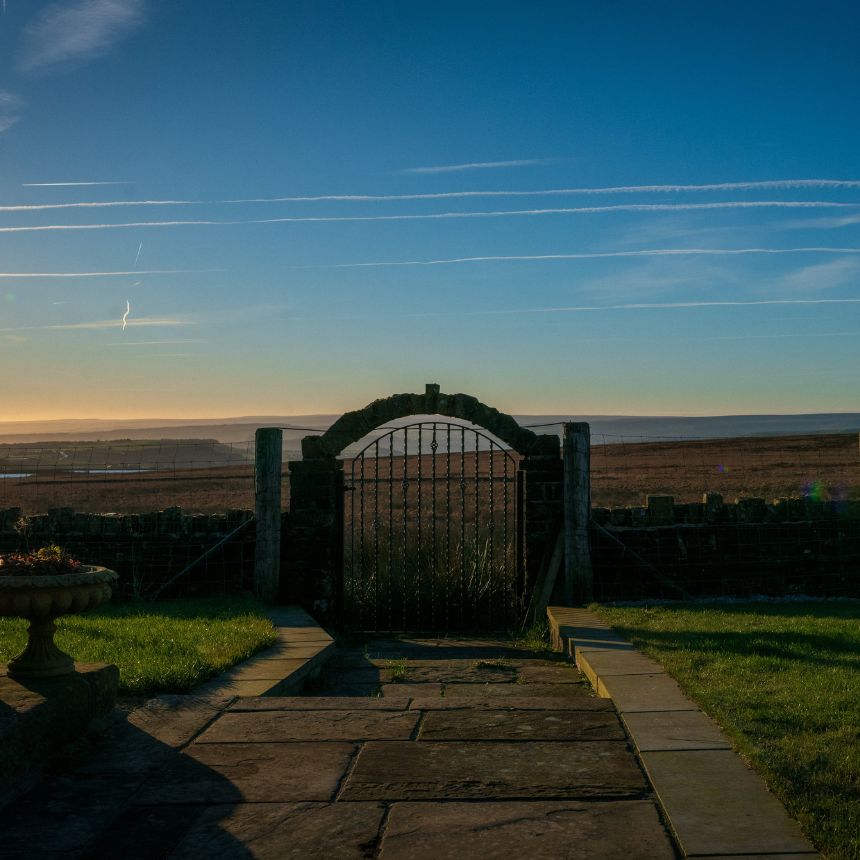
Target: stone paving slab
[[144, 832], [332, 689], [264, 670], [674, 730], [321, 703], [62, 815], [644, 693], [231, 687], [399, 770], [283, 831], [596, 664], [175, 719], [543, 829], [399, 690], [717, 805], [550, 674], [483, 725], [521, 702], [808, 856], [500, 691], [255, 772], [447, 649], [280, 726]]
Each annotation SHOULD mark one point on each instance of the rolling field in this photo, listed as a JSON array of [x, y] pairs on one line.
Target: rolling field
[[203, 476]]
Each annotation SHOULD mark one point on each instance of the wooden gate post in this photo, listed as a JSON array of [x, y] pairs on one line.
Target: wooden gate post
[[267, 499], [578, 578]]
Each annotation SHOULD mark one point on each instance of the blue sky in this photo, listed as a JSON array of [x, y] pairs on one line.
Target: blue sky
[[569, 207]]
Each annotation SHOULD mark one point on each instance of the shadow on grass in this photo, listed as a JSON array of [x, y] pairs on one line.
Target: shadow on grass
[[814, 649]]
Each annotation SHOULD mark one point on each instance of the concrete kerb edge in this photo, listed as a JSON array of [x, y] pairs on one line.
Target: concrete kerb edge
[[588, 640], [294, 629]]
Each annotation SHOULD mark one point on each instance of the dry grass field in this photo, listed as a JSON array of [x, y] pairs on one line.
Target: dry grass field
[[822, 466]]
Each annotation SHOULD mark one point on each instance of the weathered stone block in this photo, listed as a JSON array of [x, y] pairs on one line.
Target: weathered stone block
[[714, 507], [752, 510], [661, 510]]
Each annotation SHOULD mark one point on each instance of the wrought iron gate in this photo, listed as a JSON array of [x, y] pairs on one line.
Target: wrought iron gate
[[432, 532]]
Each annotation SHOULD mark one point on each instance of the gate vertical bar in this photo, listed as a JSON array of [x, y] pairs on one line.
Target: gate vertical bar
[[433, 446], [419, 554], [352, 618], [390, 525], [462, 525], [376, 536], [360, 582], [491, 538], [404, 571], [520, 540], [447, 527], [476, 566]]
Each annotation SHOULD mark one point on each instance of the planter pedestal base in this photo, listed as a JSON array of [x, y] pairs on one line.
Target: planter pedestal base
[[41, 658]]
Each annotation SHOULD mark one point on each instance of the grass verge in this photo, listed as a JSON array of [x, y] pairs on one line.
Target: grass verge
[[783, 679], [164, 647]]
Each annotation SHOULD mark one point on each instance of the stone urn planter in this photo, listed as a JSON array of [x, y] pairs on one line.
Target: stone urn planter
[[41, 599]]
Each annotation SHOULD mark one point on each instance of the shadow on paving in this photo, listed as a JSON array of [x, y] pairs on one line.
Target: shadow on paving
[[465, 748]]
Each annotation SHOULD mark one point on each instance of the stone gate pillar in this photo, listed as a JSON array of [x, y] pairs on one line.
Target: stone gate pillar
[[315, 540], [542, 502]]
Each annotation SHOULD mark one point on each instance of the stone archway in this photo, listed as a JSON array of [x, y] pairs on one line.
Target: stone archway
[[312, 559]]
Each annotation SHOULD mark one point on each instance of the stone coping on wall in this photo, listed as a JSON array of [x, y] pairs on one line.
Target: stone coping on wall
[[661, 510], [714, 803], [301, 650], [169, 521]]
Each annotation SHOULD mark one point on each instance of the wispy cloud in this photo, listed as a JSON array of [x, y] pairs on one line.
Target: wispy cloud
[[597, 255], [65, 34], [438, 216], [22, 275], [476, 165], [823, 276], [70, 184], [10, 105], [101, 324], [822, 223]]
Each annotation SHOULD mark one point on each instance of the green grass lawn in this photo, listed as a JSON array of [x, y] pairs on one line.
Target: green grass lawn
[[783, 679], [169, 646]]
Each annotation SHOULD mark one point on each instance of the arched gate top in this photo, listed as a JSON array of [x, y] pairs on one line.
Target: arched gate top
[[352, 426]]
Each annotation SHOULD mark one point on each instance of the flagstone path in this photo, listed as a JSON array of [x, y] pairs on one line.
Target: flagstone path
[[413, 748]]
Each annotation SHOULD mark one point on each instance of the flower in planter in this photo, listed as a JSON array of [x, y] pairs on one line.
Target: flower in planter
[[48, 561]]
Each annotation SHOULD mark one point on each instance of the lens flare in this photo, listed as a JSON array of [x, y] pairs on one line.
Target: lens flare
[[814, 490]]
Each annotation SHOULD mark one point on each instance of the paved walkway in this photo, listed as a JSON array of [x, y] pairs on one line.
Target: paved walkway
[[471, 749]]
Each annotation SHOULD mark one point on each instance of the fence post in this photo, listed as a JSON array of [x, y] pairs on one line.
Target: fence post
[[578, 578], [267, 499]]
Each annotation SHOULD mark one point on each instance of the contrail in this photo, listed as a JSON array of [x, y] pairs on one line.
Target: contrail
[[139, 249], [154, 342], [439, 216], [476, 165], [776, 184], [107, 274], [100, 324], [68, 184], [641, 306], [651, 252], [125, 315]]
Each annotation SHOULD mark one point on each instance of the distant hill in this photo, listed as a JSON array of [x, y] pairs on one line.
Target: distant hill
[[604, 428]]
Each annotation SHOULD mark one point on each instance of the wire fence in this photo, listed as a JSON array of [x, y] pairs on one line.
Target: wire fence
[[754, 515], [625, 469], [128, 476]]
